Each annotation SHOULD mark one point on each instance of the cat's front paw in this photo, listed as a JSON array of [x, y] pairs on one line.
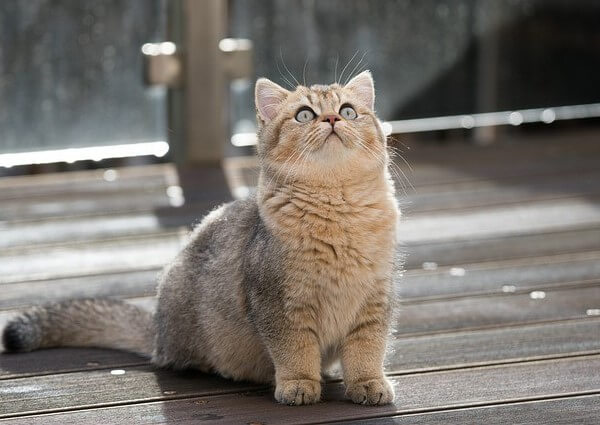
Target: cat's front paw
[[372, 392], [296, 392]]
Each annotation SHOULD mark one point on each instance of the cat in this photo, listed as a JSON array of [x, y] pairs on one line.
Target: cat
[[276, 287]]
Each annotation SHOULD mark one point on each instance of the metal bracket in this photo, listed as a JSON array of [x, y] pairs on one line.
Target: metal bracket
[[164, 64]]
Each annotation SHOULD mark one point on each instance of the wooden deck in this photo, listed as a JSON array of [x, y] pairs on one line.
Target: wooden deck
[[500, 316]]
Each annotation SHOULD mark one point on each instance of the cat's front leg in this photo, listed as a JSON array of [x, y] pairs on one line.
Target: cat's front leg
[[297, 361], [363, 351]]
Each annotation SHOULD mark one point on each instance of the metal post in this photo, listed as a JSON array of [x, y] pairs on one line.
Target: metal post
[[205, 124]]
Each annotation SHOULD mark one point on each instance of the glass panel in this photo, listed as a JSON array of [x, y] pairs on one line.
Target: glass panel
[[429, 57], [71, 73]]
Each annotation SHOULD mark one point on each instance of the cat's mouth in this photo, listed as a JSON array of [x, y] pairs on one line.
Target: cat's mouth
[[333, 137]]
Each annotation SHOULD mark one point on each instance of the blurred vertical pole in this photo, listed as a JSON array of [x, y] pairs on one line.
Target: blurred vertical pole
[[198, 108], [205, 95], [487, 65]]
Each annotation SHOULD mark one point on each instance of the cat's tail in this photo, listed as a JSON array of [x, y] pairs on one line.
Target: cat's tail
[[98, 322]]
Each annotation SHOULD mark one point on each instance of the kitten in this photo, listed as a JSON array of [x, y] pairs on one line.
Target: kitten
[[274, 288]]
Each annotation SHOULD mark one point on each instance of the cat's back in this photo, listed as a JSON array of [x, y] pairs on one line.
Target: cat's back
[[213, 254]]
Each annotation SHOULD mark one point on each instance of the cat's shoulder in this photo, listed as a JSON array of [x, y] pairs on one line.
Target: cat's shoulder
[[227, 217]]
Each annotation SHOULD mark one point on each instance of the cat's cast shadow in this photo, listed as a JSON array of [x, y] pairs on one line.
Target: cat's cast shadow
[[220, 399]]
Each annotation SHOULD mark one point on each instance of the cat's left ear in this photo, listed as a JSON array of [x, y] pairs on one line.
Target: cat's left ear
[[268, 97], [363, 88]]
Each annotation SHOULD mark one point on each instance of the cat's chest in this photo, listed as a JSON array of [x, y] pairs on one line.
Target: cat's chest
[[337, 263], [345, 244]]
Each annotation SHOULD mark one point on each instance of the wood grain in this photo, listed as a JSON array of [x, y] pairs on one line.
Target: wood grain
[[584, 410], [495, 311], [414, 393], [491, 346], [61, 360], [515, 275], [526, 245]]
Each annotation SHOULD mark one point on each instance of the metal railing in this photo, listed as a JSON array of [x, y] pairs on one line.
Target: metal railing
[[469, 121]]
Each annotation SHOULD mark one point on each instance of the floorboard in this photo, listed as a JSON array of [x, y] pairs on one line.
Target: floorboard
[[427, 391], [584, 410]]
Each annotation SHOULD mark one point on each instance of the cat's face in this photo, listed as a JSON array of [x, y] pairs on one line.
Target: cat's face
[[319, 133]]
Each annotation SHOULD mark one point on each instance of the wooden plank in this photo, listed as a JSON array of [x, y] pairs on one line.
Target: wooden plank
[[500, 248], [583, 410], [429, 317], [516, 275], [88, 228], [99, 387], [88, 181], [73, 229], [414, 393], [83, 204], [62, 360], [486, 194], [499, 221], [491, 346], [125, 254], [135, 283], [433, 165]]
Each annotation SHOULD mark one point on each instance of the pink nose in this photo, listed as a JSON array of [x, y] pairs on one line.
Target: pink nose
[[331, 118]]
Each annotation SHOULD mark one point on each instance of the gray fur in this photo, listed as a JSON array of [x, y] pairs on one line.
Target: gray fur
[[218, 289], [211, 298], [81, 323]]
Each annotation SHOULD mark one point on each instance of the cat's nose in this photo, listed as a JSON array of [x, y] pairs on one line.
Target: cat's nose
[[331, 118]]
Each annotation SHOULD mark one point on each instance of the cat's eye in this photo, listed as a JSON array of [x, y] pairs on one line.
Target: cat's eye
[[348, 112], [305, 115]]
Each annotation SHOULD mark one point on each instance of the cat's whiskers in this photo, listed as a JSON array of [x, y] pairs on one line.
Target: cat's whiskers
[[398, 152], [355, 66], [395, 152], [337, 58], [286, 68], [283, 76], [397, 171], [391, 166], [304, 71], [349, 62]]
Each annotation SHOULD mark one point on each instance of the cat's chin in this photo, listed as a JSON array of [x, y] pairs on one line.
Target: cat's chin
[[333, 142], [333, 137]]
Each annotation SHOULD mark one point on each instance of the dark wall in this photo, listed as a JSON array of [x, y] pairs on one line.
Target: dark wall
[[435, 57]]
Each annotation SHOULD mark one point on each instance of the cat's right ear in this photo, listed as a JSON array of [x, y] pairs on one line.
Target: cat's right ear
[[268, 97]]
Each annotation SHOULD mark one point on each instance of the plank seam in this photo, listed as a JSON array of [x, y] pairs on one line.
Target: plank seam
[[466, 406]]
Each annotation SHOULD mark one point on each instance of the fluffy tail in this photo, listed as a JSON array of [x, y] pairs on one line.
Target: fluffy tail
[[102, 323]]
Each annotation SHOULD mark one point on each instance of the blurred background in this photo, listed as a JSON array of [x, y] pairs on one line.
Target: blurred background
[[73, 74]]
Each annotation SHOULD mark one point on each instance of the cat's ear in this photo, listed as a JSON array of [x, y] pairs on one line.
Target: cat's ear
[[363, 88], [268, 97]]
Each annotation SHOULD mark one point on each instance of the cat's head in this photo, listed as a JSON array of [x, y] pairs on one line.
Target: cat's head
[[320, 133]]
